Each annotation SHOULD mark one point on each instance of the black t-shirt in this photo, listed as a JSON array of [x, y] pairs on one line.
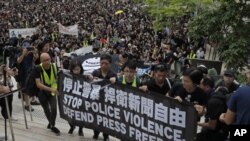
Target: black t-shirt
[[39, 71], [155, 88], [231, 88], [215, 107], [197, 97], [168, 57], [98, 73]]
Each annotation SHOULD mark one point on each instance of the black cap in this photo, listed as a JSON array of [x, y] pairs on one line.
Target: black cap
[[229, 72]]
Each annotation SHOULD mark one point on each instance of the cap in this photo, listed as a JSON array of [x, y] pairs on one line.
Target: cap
[[229, 72]]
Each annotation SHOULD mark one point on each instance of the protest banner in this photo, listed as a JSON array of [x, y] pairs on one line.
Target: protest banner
[[89, 63], [143, 68], [92, 62], [82, 51], [124, 112], [69, 30], [24, 32]]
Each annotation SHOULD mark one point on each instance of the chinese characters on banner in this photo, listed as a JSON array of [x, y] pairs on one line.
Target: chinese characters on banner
[[124, 112]]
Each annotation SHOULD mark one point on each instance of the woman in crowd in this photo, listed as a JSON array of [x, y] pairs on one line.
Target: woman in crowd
[[75, 68]]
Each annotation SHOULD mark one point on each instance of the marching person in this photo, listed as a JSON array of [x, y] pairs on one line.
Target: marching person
[[45, 78], [238, 106], [75, 68], [228, 81], [129, 77], [213, 129], [103, 73], [189, 91], [25, 63], [159, 83]]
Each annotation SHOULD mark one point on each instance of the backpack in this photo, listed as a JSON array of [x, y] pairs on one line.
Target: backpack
[[30, 84]]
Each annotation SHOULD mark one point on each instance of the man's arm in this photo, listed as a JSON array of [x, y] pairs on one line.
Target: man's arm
[[41, 86], [211, 124], [20, 58], [227, 117]]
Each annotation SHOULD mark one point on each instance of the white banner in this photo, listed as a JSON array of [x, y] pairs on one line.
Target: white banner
[[82, 51], [22, 31], [69, 30]]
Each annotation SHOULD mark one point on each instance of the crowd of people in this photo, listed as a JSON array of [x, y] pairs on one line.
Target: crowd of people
[[128, 34]]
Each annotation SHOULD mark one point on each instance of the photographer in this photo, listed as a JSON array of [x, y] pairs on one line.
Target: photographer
[[25, 63]]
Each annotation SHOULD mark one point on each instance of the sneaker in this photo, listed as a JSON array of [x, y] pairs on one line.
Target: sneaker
[[55, 130], [35, 102], [28, 108]]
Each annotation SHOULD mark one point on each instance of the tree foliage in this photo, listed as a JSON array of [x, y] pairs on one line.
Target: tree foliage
[[221, 21], [226, 29], [165, 12]]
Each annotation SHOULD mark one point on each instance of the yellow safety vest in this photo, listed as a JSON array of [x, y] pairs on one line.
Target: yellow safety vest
[[54, 36], [51, 82], [191, 56], [85, 43], [133, 83]]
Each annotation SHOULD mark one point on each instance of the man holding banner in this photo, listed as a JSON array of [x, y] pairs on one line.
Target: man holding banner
[[159, 83], [46, 81], [129, 78], [104, 73], [124, 112]]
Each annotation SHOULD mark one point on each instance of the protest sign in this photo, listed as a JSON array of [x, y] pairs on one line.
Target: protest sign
[[24, 32], [142, 68], [124, 112], [69, 30], [82, 51]]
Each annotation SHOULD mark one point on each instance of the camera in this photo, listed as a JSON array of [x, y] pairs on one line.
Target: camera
[[30, 48]]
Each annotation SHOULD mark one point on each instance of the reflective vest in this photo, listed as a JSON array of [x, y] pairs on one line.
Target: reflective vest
[[54, 36], [85, 43], [51, 82], [191, 56], [26, 24], [133, 83]]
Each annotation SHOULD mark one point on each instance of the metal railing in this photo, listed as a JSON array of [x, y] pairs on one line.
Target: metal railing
[[5, 95]]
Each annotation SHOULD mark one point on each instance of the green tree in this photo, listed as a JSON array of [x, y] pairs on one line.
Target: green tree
[[226, 28], [165, 12]]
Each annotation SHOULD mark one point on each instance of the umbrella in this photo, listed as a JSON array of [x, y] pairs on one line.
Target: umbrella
[[118, 12]]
